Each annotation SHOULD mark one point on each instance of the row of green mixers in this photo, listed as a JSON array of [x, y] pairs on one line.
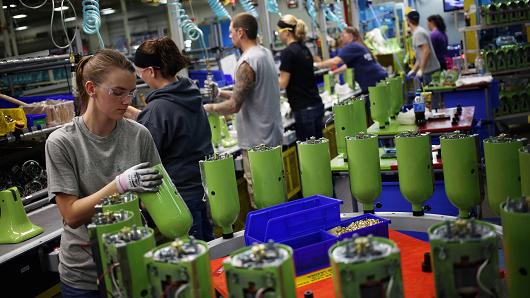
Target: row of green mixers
[[261, 270], [364, 169], [220, 185], [315, 168], [366, 267]]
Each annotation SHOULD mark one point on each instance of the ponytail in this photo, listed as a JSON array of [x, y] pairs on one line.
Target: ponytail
[[171, 59]]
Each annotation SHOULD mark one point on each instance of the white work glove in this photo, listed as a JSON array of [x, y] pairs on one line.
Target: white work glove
[[411, 74], [212, 90], [140, 178], [419, 74]]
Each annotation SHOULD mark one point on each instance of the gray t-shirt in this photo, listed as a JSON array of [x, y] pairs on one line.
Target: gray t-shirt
[[260, 121], [421, 37], [80, 163]]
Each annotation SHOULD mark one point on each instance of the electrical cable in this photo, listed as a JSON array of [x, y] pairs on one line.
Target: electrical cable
[[390, 286], [113, 278], [33, 7], [479, 282], [248, 7], [272, 7], [70, 41], [219, 10], [92, 19], [181, 290]]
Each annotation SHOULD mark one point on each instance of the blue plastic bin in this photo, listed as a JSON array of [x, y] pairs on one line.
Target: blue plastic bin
[[34, 118], [310, 251]]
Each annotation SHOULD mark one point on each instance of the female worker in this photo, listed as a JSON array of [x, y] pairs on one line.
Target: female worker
[[438, 38], [175, 117], [94, 156], [356, 55], [298, 78]]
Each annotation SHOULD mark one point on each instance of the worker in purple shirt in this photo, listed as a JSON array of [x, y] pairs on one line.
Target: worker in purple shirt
[[436, 25]]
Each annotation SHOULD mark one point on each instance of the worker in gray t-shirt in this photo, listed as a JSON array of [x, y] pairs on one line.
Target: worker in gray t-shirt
[[94, 156], [256, 94], [426, 61]]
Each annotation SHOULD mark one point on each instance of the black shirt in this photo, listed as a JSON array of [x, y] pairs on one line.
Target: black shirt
[[302, 91]]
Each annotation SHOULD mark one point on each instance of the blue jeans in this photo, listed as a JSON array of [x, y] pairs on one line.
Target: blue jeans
[[69, 292], [202, 227], [309, 122]]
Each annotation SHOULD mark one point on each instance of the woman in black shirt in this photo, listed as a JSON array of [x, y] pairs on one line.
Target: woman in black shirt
[[298, 78]]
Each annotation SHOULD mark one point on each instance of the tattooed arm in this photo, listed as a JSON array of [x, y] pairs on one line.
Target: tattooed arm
[[245, 79]]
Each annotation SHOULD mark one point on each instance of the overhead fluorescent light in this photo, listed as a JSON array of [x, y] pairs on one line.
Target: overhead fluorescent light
[[19, 16], [12, 5], [163, 1], [61, 8], [105, 11], [4, 7], [70, 19], [21, 28]]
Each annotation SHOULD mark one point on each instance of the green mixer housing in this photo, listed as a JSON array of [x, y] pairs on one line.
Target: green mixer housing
[[364, 169], [180, 269], [502, 169], [125, 252], [465, 261], [103, 223], [515, 216], [524, 167], [380, 103], [268, 178], [349, 78], [215, 127], [315, 168], [366, 267], [262, 270], [128, 201], [167, 208], [350, 119], [461, 171], [414, 157], [396, 95], [219, 179], [15, 225]]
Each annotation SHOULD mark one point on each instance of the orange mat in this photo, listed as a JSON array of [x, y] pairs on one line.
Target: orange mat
[[415, 282]]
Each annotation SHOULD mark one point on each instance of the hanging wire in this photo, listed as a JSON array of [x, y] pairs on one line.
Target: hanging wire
[[272, 7], [248, 7], [219, 10], [339, 11], [69, 41], [312, 12], [332, 17], [33, 7], [92, 19]]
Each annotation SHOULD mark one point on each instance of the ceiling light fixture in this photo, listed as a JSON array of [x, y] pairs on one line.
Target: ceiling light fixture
[[106, 11], [12, 5], [61, 8], [21, 28], [19, 16], [4, 7], [70, 19]]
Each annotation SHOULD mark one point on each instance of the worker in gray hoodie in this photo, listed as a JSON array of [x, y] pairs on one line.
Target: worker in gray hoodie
[[178, 123]]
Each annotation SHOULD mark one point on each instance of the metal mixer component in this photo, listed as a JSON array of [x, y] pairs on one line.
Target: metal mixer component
[[366, 267], [180, 269], [262, 270], [315, 168], [128, 201], [465, 259]]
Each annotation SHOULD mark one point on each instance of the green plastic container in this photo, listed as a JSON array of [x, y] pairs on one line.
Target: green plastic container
[[349, 78], [462, 253], [128, 201], [315, 167], [396, 95], [268, 177], [515, 218], [364, 169], [380, 103], [219, 178], [125, 251], [461, 171], [181, 267], [267, 268], [328, 82], [524, 167], [416, 180], [350, 119], [215, 127], [167, 208], [502, 169], [104, 223], [15, 225], [366, 267]]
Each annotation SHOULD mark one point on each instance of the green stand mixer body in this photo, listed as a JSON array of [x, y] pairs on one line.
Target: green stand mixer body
[[461, 171], [263, 270], [462, 253], [416, 180], [502, 169], [380, 103], [219, 178], [180, 269], [226, 138], [524, 167], [364, 169], [366, 267], [15, 225], [167, 208], [515, 217], [315, 167], [128, 201], [104, 223], [396, 95], [349, 78], [328, 82], [350, 119], [268, 179], [215, 127], [125, 252]]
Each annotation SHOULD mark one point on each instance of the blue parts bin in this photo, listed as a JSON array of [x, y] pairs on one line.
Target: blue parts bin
[[304, 224], [36, 120]]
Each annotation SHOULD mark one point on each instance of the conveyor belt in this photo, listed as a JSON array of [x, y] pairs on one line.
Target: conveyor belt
[[49, 219]]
